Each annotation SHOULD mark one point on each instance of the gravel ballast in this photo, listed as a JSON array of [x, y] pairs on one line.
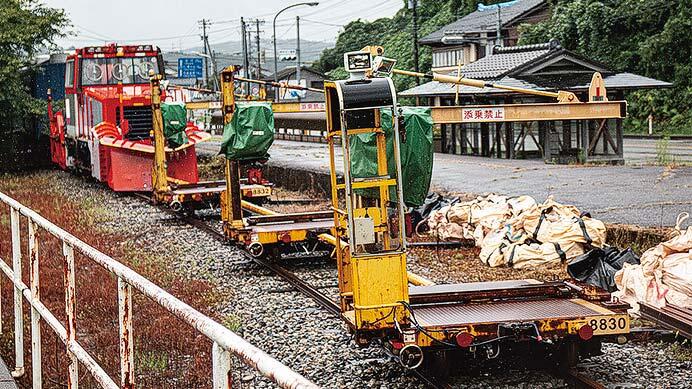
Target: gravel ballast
[[292, 328]]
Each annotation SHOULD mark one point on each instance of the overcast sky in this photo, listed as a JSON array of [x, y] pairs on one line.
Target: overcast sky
[[173, 24]]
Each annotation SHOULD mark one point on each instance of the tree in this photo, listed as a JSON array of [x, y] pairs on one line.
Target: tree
[[645, 37], [28, 26], [396, 36]]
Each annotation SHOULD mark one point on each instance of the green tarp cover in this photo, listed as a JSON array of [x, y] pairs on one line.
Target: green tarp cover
[[416, 154], [250, 133], [174, 122]]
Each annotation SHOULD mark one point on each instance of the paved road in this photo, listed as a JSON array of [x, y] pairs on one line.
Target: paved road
[[643, 195], [645, 151]]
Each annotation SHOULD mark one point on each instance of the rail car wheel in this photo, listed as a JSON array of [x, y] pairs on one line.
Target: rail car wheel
[[411, 356], [256, 249], [436, 364], [270, 252]]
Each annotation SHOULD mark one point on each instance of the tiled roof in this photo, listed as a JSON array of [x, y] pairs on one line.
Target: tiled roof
[[510, 66], [506, 59], [479, 21], [495, 65]]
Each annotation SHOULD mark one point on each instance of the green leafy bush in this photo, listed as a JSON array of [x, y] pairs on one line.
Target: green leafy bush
[[649, 37]]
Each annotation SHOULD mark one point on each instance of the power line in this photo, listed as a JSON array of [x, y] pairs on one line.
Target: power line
[[323, 23], [94, 32], [286, 31]]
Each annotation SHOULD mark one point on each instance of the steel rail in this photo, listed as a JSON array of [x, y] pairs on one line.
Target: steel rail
[[430, 380], [581, 380], [299, 284]]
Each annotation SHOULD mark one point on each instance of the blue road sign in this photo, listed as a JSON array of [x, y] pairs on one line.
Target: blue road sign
[[190, 68]]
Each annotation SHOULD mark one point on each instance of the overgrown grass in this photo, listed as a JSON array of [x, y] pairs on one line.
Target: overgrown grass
[[168, 352], [681, 351], [152, 361]]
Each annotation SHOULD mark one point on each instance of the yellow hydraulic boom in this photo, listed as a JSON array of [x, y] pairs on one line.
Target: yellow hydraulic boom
[[561, 96]]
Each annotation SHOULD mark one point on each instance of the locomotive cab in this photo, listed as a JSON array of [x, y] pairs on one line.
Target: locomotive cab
[[107, 124]]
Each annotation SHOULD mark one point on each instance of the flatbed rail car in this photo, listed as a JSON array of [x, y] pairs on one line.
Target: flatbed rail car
[[266, 233], [419, 321], [181, 195]]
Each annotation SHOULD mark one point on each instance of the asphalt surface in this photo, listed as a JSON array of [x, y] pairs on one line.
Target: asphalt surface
[[633, 194]]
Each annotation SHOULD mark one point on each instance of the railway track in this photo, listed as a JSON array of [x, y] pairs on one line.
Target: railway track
[[299, 284], [572, 376], [303, 287], [580, 380]]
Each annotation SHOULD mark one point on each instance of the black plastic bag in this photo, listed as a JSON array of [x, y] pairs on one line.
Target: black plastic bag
[[433, 202], [598, 266], [617, 259]]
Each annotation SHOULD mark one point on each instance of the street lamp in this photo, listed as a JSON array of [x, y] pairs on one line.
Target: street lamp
[[276, 65]]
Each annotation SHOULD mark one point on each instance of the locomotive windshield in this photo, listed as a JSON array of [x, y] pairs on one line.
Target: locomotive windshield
[[111, 71]]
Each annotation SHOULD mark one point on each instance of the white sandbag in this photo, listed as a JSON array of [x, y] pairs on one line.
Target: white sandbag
[[534, 255], [492, 249], [497, 222], [551, 211], [442, 229], [677, 275], [663, 277], [632, 285], [521, 204], [563, 231]]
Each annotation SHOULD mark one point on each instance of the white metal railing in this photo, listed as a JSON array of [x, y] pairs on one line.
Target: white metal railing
[[224, 341]]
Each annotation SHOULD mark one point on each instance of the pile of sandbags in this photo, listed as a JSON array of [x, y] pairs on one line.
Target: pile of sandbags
[[517, 231], [664, 275]]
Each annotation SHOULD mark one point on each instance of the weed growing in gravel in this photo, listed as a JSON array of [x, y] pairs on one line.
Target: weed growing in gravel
[[681, 351], [153, 361], [233, 323]]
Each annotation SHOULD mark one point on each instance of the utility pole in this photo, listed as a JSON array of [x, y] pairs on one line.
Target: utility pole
[[246, 71], [205, 23], [259, 53], [245, 61], [414, 8], [298, 51], [215, 69]]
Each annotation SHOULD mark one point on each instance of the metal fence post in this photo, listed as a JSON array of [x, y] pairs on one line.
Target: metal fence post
[[221, 367], [127, 373], [225, 342], [70, 309], [18, 311], [35, 315]]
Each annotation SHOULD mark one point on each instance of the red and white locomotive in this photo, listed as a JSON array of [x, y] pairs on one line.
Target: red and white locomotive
[[107, 121]]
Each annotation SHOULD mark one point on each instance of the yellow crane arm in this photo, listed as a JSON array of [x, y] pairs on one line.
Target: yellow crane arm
[[561, 96]]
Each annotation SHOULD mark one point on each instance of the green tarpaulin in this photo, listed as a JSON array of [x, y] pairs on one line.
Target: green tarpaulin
[[250, 133], [174, 122], [416, 154]]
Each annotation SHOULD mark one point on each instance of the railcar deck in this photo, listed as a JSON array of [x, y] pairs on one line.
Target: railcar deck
[[486, 309]]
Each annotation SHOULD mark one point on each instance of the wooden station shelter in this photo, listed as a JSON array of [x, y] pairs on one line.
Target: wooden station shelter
[[541, 67]]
